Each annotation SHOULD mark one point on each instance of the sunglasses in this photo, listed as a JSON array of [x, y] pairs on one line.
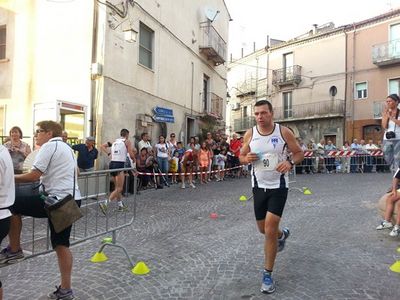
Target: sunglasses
[[39, 130]]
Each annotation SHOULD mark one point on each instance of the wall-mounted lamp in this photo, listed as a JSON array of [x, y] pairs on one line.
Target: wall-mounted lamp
[[130, 35]]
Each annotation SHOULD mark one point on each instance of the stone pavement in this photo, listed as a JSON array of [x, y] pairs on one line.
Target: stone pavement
[[334, 251]]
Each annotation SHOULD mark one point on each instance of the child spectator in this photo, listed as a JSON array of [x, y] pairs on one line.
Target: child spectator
[[220, 161], [173, 166], [204, 162]]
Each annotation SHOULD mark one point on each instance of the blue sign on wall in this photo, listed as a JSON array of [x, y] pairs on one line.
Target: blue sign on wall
[[167, 119], [161, 111]]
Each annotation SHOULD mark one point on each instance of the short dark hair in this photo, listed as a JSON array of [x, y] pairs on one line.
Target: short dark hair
[[124, 132], [394, 97], [16, 128], [264, 102], [52, 126], [143, 135]]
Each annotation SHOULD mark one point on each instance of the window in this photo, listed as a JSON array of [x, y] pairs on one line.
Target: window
[[2, 42], [206, 81], [332, 91], [361, 90], [287, 105], [146, 38], [394, 86], [288, 66]]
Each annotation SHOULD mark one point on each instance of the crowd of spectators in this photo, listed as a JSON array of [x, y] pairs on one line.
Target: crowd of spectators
[[326, 157]]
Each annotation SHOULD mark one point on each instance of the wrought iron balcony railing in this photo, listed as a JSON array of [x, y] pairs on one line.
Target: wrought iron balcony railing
[[317, 110], [386, 53], [242, 124], [212, 44], [285, 76], [216, 107]]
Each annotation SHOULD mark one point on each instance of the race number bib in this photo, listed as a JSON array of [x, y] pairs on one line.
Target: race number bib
[[268, 161]]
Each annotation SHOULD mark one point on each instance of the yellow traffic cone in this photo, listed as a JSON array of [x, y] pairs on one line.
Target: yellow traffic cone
[[107, 240], [395, 267], [99, 257], [140, 269], [243, 198], [306, 191]]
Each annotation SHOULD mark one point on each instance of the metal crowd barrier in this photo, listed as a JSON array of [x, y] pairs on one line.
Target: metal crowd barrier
[[343, 161], [94, 187]]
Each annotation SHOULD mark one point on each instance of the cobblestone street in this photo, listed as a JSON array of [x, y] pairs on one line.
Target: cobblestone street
[[334, 251]]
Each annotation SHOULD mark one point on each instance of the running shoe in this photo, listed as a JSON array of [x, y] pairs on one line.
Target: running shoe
[[61, 294], [384, 225], [268, 285], [122, 208], [8, 257], [395, 231], [192, 185], [103, 208], [183, 186], [282, 240]]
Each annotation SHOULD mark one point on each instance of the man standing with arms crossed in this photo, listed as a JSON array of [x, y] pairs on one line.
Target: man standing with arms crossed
[[265, 146]]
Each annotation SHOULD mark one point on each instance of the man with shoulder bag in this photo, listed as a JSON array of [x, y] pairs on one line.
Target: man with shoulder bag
[[55, 167]]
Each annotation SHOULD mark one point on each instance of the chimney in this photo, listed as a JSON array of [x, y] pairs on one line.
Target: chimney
[[315, 28], [254, 46]]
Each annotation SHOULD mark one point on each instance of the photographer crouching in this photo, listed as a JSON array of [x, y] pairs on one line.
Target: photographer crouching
[[391, 124], [55, 167]]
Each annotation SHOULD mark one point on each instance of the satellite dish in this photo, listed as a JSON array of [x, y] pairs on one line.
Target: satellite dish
[[211, 14]]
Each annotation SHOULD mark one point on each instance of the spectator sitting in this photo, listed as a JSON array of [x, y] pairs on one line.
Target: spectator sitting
[[54, 165], [87, 154], [143, 167], [18, 149], [391, 200]]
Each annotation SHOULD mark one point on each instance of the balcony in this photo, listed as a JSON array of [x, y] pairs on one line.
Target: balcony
[[246, 88], [211, 44], [287, 76], [242, 124], [317, 110], [216, 108], [386, 53]]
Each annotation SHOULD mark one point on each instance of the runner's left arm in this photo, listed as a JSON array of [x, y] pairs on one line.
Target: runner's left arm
[[294, 148]]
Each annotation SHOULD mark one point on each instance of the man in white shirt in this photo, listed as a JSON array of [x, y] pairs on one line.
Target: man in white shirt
[[7, 195], [144, 142], [55, 167]]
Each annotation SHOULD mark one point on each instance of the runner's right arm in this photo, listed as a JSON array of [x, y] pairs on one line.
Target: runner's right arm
[[246, 156]]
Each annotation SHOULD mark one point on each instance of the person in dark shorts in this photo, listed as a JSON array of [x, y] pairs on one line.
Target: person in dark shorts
[[266, 147], [120, 150], [56, 168], [7, 195]]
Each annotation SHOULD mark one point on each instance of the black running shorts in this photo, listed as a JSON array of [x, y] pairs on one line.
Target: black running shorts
[[269, 200], [116, 165], [34, 206]]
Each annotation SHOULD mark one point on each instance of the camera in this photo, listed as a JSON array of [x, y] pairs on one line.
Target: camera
[[390, 135]]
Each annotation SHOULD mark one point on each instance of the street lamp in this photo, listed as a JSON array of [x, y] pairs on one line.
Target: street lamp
[[130, 35]]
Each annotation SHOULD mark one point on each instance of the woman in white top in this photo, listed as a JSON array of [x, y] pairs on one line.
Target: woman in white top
[[391, 124], [162, 153]]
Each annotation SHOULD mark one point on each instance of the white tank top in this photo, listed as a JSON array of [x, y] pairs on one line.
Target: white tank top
[[271, 150], [118, 150], [393, 127]]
